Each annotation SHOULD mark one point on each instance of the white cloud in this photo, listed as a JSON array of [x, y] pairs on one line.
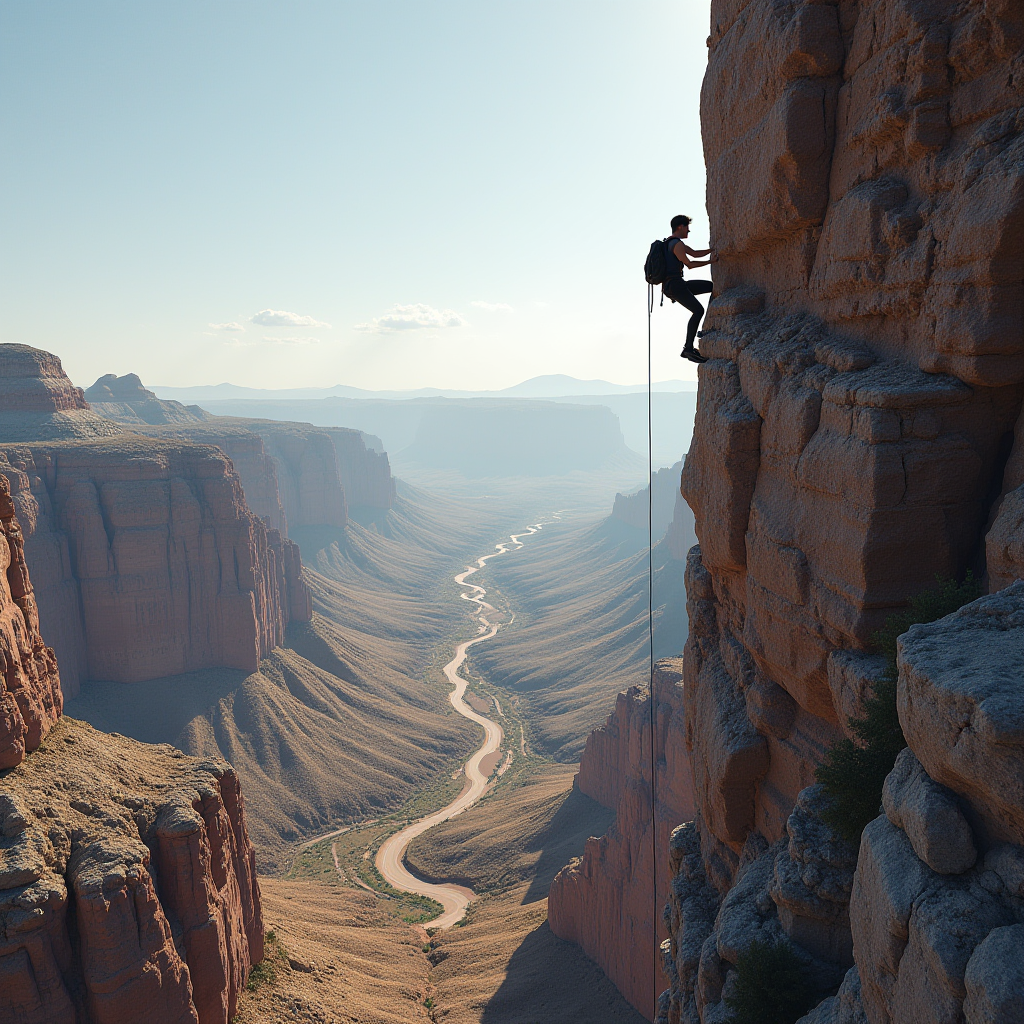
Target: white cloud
[[412, 318], [234, 326], [492, 307], [281, 318]]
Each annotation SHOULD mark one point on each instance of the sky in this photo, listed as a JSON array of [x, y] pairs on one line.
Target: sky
[[386, 195]]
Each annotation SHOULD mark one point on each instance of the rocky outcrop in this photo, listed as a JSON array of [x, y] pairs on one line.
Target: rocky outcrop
[[364, 469], [937, 909], [128, 886], [149, 562], [606, 901], [858, 433], [38, 402], [30, 694], [632, 509], [125, 400]]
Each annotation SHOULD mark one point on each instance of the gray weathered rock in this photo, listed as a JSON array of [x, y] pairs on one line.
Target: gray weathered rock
[[813, 877], [961, 705], [930, 816], [852, 676], [995, 979], [888, 880], [946, 926]]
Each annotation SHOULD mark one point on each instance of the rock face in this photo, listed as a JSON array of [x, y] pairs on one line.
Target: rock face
[[128, 885], [606, 901], [38, 402], [365, 471], [938, 899], [125, 400], [30, 695], [255, 467], [148, 561], [289, 471], [632, 508], [858, 432]]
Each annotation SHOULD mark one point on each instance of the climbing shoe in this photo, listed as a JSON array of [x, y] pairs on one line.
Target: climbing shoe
[[693, 355]]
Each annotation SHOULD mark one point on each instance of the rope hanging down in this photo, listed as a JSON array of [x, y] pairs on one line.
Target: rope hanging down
[[650, 630]]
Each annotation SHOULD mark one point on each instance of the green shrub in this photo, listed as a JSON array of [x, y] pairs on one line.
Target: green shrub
[[770, 986], [853, 773]]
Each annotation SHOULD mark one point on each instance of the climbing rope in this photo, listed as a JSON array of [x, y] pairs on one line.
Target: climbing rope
[[650, 630]]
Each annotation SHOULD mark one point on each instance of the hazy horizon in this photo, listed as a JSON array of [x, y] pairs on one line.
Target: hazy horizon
[[209, 193]]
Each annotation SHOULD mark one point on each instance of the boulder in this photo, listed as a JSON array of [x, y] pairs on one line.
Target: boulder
[[994, 978], [961, 705], [930, 815]]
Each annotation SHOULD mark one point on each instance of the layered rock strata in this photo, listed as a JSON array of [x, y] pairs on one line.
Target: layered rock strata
[[609, 901], [148, 560], [858, 433], [125, 400], [38, 402], [128, 886], [30, 693], [365, 470]]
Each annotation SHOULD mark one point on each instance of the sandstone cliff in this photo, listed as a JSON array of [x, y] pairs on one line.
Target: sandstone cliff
[[125, 400], [128, 885], [365, 471], [149, 563], [38, 402], [609, 901], [30, 693], [858, 432], [632, 509]]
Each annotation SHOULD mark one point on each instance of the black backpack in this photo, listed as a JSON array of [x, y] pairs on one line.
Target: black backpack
[[656, 267]]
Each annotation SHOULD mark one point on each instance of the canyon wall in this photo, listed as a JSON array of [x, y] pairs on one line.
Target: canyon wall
[[128, 886], [30, 694], [858, 433], [609, 901], [149, 563], [632, 509], [365, 471]]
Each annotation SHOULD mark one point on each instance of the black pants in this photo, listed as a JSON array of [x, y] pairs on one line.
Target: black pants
[[685, 292]]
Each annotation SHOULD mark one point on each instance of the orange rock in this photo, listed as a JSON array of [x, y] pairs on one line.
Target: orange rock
[[30, 695], [154, 538], [137, 859]]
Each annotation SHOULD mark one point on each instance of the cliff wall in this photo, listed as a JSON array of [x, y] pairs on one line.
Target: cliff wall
[[365, 471], [858, 433], [149, 563], [38, 402], [128, 886], [30, 693], [632, 508], [609, 901]]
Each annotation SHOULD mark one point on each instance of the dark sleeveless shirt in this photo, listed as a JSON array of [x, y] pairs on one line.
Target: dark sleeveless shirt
[[674, 269]]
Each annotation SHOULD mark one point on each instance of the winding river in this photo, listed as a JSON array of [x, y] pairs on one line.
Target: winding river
[[390, 860]]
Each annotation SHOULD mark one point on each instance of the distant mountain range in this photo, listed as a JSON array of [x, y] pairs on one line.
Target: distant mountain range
[[552, 385]]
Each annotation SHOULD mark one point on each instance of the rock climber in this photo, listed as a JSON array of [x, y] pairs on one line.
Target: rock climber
[[679, 255]]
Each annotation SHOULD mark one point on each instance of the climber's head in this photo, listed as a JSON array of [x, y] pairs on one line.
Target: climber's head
[[680, 225]]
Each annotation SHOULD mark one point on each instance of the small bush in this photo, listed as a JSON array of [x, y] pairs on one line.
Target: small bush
[[853, 774], [770, 986]]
